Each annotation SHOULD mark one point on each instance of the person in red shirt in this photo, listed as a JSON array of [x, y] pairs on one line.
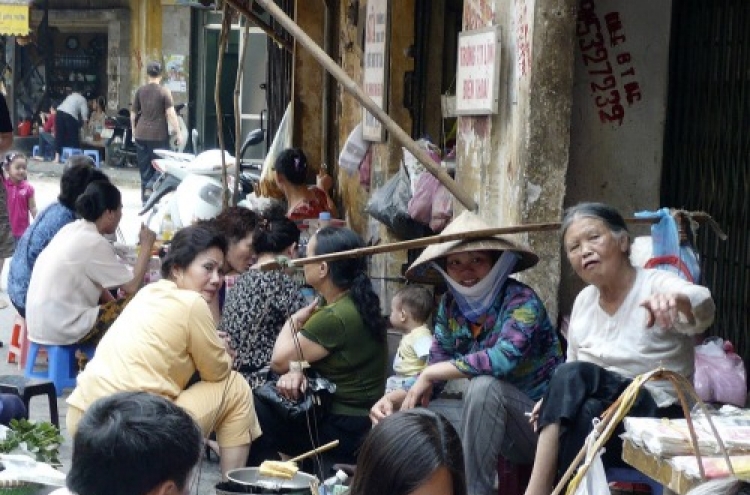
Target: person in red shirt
[[20, 194], [291, 176], [47, 135]]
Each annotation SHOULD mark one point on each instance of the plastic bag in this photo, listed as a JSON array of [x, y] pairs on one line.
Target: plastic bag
[[667, 252], [420, 205], [594, 481], [354, 151], [390, 206], [414, 167], [719, 373], [442, 209]]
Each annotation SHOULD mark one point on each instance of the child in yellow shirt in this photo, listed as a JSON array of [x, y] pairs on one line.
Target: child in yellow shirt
[[411, 308]]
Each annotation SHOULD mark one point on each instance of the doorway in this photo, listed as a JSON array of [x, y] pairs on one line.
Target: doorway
[[252, 91], [706, 149]]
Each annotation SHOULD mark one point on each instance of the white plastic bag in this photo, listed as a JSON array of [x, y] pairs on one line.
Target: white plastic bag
[[719, 373], [594, 481]]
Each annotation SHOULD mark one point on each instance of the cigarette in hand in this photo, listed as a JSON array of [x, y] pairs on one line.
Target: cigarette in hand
[[527, 414]]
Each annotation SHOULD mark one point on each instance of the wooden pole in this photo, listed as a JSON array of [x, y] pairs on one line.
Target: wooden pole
[[242, 9], [226, 27], [353, 88], [463, 236]]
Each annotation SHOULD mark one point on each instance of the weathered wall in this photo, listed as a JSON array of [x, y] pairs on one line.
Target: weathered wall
[[619, 109], [306, 83], [175, 44], [514, 162]]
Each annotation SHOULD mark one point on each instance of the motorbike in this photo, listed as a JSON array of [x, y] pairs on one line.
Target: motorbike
[[123, 152]]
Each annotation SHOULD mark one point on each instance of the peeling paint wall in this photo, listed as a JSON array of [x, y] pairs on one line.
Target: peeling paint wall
[[619, 109], [514, 162]]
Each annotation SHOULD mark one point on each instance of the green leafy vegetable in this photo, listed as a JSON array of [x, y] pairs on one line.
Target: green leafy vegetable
[[41, 440]]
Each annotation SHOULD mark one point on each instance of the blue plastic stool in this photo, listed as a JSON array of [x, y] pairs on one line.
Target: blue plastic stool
[[94, 154], [68, 152], [634, 476], [63, 366], [35, 150]]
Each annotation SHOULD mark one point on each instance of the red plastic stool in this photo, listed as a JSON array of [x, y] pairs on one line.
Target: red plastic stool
[[18, 347], [512, 478]]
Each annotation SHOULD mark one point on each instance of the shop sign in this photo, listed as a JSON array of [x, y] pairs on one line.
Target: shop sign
[[478, 71], [14, 19], [375, 65]]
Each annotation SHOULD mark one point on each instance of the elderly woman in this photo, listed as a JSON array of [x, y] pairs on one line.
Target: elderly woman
[[261, 300], [164, 336], [344, 341], [490, 329], [410, 453], [628, 321], [77, 269]]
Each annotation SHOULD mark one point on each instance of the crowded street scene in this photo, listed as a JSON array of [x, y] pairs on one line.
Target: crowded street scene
[[415, 247]]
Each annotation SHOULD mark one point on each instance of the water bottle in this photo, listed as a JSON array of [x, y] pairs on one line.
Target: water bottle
[[334, 484], [167, 228], [324, 219]]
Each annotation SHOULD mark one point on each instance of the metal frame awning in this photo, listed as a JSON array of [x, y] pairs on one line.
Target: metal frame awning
[[353, 88]]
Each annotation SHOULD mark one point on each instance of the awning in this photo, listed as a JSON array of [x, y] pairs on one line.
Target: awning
[[14, 17]]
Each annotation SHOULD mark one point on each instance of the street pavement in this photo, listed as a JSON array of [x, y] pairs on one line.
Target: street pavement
[[45, 177]]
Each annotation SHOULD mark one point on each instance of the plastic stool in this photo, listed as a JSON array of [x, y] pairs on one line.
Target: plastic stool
[[26, 388], [94, 154], [62, 368], [634, 476], [35, 150], [68, 152], [18, 346]]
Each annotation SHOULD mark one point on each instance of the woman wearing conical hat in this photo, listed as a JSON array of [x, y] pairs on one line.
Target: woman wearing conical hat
[[493, 330]]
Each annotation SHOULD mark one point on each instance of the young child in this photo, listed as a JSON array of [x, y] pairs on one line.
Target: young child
[[411, 308], [20, 194]]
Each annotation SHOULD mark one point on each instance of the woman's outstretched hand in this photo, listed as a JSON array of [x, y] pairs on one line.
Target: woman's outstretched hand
[[664, 309], [534, 415], [146, 236]]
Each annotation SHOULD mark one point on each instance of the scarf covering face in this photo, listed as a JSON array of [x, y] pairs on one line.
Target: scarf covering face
[[475, 301]]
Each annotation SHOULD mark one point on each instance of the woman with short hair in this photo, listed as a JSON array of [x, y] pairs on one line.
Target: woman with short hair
[[626, 322], [167, 334]]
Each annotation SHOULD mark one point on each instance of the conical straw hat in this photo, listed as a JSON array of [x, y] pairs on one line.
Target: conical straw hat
[[468, 222]]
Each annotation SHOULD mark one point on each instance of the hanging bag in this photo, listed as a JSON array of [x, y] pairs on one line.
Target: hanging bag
[[390, 206]]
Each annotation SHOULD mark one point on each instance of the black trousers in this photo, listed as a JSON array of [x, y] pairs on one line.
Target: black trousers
[[295, 438], [579, 392], [67, 132], [144, 155]]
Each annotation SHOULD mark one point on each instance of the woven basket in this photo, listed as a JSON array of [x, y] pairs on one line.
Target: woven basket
[[620, 408]]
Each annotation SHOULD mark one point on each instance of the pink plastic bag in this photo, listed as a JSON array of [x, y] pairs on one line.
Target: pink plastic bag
[[442, 209], [420, 204], [719, 373]]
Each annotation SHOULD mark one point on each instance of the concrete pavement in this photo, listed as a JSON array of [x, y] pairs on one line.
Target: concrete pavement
[[44, 176]]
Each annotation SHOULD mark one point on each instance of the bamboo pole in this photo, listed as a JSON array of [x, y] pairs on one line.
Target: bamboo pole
[[238, 114], [353, 88], [242, 9], [465, 236]]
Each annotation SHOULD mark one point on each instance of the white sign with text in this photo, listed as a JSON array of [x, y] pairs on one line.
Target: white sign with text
[[478, 71], [375, 65]]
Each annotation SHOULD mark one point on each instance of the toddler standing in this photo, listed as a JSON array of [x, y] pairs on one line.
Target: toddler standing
[[20, 194], [411, 308]]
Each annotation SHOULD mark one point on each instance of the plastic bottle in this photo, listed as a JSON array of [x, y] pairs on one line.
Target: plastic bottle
[[167, 228], [324, 219], [331, 484]]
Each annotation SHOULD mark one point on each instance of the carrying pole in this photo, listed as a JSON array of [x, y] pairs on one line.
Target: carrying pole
[[353, 88]]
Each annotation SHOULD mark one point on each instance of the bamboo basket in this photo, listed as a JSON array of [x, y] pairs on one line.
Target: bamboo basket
[[619, 409]]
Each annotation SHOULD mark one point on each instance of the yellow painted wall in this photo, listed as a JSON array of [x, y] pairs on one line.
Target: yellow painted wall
[[145, 36]]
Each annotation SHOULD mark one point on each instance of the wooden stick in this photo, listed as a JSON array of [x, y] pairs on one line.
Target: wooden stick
[[440, 238], [353, 88], [311, 453]]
